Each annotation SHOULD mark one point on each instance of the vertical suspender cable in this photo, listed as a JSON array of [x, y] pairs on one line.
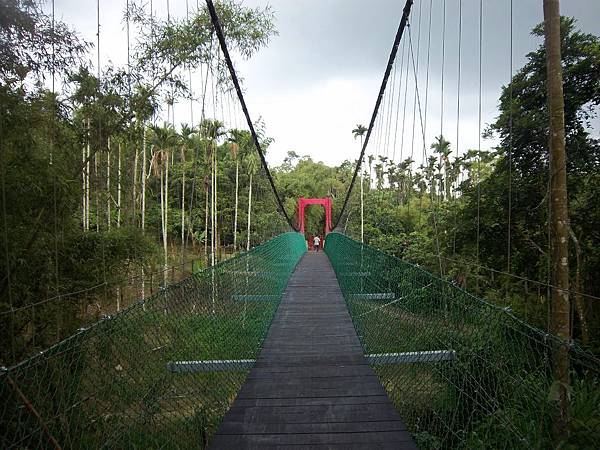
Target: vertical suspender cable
[[390, 63], [425, 148], [52, 146], [456, 159], [510, 145], [412, 139], [427, 76], [238, 89], [402, 61], [479, 139], [404, 111], [443, 67], [388, 123]]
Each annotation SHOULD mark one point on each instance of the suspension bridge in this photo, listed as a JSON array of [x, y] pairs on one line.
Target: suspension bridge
[[277, 347]]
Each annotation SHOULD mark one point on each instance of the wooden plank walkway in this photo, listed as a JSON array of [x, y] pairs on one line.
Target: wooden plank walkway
[[311, 386]]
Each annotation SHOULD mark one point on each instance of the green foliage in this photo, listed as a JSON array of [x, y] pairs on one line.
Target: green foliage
[[112, 384], [496, 391]]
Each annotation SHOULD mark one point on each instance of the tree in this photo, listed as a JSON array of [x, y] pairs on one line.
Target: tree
[[165, 139], [522, 127], [27, 38], [212, 130], [239, 139], [187, 139], [442, 147], [360, 130], [251, 169]]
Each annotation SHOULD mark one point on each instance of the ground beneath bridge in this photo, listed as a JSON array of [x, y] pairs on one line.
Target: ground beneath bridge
[[311, 386]]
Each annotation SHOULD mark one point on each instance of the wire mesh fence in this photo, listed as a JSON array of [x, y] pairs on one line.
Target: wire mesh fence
[[463, 373], [112, 385]]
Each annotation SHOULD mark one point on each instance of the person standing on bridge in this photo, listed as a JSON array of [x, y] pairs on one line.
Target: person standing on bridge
[[316, 243]]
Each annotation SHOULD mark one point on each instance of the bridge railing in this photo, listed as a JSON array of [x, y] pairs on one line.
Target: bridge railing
[[463, 373], [120, 383]]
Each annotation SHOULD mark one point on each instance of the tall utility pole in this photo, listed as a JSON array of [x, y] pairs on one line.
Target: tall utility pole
[[559, 214]]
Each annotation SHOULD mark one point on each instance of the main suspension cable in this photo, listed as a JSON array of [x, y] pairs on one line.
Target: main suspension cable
[[217, 26], [386, 75]]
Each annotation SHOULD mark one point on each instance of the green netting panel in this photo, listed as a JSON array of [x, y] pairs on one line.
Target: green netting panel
[[492, 383], [109, 386]]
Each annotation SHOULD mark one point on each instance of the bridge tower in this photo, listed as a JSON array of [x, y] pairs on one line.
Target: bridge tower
[[326, 202]]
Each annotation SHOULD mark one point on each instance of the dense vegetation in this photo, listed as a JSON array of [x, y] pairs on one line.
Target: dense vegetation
[[102, 201], [96, 191], [98, 196]]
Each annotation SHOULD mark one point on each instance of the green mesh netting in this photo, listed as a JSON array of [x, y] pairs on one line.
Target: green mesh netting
[[481, 378], [110, 386]]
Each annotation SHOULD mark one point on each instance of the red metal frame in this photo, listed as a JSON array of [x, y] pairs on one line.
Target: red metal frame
[[326, 202]]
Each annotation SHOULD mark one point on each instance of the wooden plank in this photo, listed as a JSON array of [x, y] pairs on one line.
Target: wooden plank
[[311, 386]]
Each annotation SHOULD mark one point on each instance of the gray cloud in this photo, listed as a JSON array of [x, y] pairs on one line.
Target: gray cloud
[[320, 76]]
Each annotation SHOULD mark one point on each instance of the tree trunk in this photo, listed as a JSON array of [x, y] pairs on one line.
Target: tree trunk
[[217, 240], [119, 187], [108, 199], [362, 206], [144, 180], [182, 203], [249, 211], [87, 179], [166, 221], [447, 178], [213, 240], [97, 180], [580, 303], [83, 191], [135, 179], [559, 216], [206, 220], [235, 214]]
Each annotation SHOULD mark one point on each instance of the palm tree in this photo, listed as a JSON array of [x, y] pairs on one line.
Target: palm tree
[[251, 167], [442, 147], [360, 130], [187, 136], [371, 158], [165, 139], [429, 172], [212, 130], [239, 140]]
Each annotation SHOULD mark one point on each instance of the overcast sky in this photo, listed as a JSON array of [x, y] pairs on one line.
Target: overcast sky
[[320, 76]]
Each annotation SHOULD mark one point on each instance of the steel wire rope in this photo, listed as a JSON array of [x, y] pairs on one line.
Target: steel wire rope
[[479, 138], [412, 139], [387, 113], [404, 112], [427, 74], [96, 286], [458, 86], [424, 147], [377, 128], [204, 87], [389, 110], [510, 146], [8, 276], [443, 68], [219, 31], [402, 62], [52, 155], [390, 63], [519, 277]]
